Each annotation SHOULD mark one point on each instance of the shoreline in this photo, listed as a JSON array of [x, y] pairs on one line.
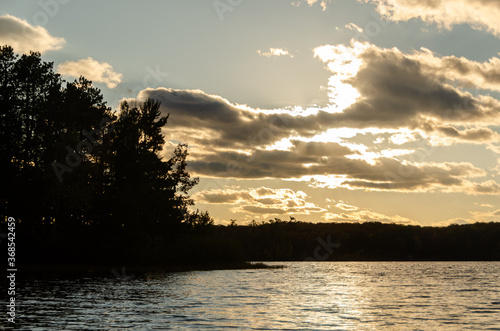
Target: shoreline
[[89, 268], [138, 268]]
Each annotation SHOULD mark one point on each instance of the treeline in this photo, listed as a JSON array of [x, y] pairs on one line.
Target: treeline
[[283, 241], [278, 240], [79, 178]]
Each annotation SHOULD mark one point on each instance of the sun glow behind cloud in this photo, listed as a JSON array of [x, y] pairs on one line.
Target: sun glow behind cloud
[[344, 62], [387, 112], [359, 143]]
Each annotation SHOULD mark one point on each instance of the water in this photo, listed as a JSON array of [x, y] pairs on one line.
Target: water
[[302, 296]]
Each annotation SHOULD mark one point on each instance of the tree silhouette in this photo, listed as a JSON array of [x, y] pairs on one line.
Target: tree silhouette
[[72, 170], [149, 193], [29, 97]]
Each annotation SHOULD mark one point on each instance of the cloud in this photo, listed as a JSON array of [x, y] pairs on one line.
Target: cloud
[[354, 27], [227, 196], [487, 205], [92, 70], [402, 90], [225, 125], [371, 87], [477, 216], [453, 221], [401, 138], [488, 187], [229, 140], [485, 216], [24, 37], [392, 175], [476, 134], [472, 74], [275, 52], [353, 214], [262, 200], [343, 206], [384, 174], [323, 3], [479, 14], [409, 96]]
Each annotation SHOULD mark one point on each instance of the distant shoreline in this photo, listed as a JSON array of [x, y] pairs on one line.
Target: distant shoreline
[[86, 268]]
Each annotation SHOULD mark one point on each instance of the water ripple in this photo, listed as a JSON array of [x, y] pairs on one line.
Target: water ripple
[[303, 296]]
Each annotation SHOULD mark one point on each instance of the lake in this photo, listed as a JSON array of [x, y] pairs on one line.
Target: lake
[[301, 296]]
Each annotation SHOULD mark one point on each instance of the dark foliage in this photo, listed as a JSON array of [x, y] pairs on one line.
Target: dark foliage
[[81, 181], [298, 241]]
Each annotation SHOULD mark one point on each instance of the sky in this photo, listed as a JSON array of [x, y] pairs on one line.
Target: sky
[[325, 111]]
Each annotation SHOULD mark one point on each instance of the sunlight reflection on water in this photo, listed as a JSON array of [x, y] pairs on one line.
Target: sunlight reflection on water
[[303, 296]]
